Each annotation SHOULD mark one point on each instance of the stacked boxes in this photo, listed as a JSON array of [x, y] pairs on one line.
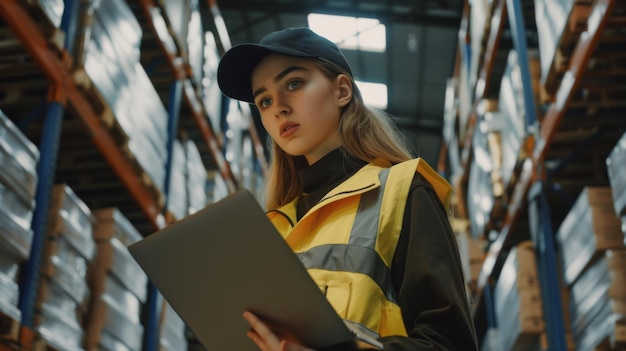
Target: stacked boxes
[[616, 167], [479, 26], [187, 193], [195, 43], [18, 182], [592, 253], [211, 93], [53, 9], [63, 290], [597, 304], [111, 60], [118, 285], [484, 186], [590, 228], [471, 251], [178, 14], [512, 108], [491, 340], [517, 300], [196, 178], [552, 18], [185, 26], [178, 196], [172, 336]]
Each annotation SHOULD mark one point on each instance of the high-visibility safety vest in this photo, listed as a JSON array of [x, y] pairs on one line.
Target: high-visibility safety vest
[[348, 239]]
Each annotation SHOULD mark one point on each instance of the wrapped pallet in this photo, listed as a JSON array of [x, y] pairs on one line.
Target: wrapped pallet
[[110, 58], [118, 285], [517, 300], [197, 177], [590, 228], [178, 195], [172, 335], [553, 19], [598, 304], [63, 291], [513, 111], [18, 178], [484, 186], [616, 167]]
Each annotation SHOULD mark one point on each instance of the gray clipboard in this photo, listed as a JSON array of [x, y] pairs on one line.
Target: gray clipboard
[[228, 258]]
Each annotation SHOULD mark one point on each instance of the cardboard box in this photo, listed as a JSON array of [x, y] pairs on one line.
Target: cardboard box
[[111, 223], [590, 228]]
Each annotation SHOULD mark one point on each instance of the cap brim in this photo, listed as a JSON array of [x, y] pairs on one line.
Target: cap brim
[[234, 72]]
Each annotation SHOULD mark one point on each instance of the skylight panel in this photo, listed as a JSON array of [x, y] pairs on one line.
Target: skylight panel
[[374, 94], [355, 33]]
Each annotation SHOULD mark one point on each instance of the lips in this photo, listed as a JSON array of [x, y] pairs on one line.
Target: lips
[[288, 128]]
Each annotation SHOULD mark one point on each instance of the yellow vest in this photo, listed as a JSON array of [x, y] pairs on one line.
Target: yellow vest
[[347, 240]]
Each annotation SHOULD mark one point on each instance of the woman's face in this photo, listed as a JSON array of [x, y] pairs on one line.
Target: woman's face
[[299, 106]]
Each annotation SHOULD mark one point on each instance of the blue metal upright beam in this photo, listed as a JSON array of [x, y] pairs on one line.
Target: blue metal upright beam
[[69, 23], [154, 301], [547, 266], [29, 273], [173, 109], [538, 207], [518, 32], [46, 167]]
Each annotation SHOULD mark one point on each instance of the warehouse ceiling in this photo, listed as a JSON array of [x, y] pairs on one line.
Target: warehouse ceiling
[[422, 37]]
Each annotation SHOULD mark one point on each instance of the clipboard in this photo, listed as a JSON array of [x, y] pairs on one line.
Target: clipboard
[[227, 258]]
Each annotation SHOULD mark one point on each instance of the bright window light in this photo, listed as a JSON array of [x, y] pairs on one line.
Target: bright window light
[[374, 94], [355, 33]]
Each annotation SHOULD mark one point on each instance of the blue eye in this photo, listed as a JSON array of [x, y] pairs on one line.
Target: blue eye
[[294, 84], [265, 102]]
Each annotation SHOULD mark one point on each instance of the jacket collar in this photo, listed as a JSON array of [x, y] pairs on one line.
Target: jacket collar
[[362, 181]]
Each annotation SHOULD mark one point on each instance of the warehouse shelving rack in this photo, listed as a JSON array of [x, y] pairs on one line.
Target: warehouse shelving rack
[[529, 193], [66, 96]]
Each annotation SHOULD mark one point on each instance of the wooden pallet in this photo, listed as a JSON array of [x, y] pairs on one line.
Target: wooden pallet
[[42, 345], [121, 139], [616, 340], [9, 331], [100, 106], [86, 19]]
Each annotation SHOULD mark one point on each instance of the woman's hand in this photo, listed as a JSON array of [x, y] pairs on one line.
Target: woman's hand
[[266, 339]]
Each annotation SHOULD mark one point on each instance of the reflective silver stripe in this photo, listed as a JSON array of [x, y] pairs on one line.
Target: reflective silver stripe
[[360, 254], [365, 227], [350, 258]]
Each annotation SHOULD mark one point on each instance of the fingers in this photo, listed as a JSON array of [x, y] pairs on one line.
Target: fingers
[[287, 345], [260, 334], [266, 339]]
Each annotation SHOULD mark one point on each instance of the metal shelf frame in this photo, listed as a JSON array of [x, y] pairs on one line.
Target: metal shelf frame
[[57, 67], [198, 112], [529, 190], [30, 272], [549, 126], [547, 266]]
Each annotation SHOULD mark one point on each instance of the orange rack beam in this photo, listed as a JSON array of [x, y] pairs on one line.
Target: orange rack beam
[[551, 121], [484, 78], [57, 69], [177, 64]]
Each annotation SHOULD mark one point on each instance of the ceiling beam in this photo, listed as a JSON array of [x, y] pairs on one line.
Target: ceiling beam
[[449, 17]]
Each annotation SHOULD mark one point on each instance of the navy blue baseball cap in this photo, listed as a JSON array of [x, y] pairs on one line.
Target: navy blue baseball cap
[[234, 73]]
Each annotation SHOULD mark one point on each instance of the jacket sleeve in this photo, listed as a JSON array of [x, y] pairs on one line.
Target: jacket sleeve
[[427, 274]]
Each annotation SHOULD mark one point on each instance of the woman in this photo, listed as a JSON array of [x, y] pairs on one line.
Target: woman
[[367, 219]]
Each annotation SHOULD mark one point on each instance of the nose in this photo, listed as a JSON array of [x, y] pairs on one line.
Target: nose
[[281, 106]]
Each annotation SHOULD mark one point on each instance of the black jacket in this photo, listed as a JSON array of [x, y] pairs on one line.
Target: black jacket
[[426, 268]]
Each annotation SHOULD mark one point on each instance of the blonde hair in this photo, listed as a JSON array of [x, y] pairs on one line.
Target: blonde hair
[[365, 133]]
